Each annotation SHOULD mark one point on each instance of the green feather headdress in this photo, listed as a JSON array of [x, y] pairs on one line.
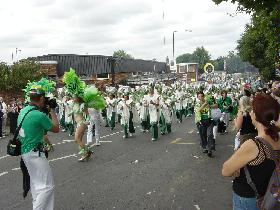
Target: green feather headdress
[[73, 84]]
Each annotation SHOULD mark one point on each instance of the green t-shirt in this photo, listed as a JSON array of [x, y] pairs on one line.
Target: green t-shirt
[[224, 102], [33, 128]]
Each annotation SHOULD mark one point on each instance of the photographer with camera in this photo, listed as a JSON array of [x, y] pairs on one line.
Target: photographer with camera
[[31, 134]]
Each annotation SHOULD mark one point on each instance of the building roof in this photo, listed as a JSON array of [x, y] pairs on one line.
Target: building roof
[[98, 64]]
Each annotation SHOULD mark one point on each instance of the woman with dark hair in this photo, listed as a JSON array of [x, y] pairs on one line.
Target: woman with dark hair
[[255, 155]]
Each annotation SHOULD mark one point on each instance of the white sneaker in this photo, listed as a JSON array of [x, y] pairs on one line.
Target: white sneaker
[[124, 137], [130, 135], [153, 139]]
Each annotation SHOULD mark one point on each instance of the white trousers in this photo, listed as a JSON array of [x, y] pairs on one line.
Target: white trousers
[[96, 133], [41, 180], [4, 123], [226, 119]]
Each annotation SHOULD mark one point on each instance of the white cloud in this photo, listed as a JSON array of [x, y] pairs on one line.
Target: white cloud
[[40, 27]]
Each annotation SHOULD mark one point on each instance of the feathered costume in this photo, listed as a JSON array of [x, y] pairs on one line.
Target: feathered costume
[[90, 94]]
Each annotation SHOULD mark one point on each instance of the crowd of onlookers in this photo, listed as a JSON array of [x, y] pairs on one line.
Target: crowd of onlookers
[[254, 165], [8, 115]]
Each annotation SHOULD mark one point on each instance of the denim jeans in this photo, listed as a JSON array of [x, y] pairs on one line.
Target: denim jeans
[[241, 203]]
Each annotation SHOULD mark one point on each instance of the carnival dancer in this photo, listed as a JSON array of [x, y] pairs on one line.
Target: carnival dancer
[[61, 110], [119, 99], [126, 106], [144, 114], [84, 98], [225, 105], [185, 103], [94, 126], [153, 101], [69, 121], [165, 115], [111, 110], [179, 104], [80, 115]]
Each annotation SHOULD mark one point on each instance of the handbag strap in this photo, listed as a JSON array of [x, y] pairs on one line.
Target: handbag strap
[[250, 181], [20, 125], [248, 176]]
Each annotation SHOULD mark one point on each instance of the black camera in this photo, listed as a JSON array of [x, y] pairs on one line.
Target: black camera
[[50, 102]]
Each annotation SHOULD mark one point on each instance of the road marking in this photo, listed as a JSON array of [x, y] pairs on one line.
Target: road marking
[[105, 141], [64, 157], [15, 169], [191, 131], [197, 207], [175, 141], [3, 173], [4, 156], [187, 143], [68, 141]]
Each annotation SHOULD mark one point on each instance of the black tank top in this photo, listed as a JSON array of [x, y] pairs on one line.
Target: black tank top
[[260, 170], [247, 126]]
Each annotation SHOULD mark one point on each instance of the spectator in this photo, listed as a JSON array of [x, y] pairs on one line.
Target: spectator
[[255, 155], [275, 90], [4, 110], [243, 122], [13, 111]]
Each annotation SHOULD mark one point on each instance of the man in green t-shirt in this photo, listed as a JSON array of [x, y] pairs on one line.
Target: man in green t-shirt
[[225, 105], [31, 134]]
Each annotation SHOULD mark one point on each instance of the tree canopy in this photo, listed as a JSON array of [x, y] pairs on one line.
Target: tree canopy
[[259, 42], [15, 77], [200, 56], [122, 54], [252, 6]]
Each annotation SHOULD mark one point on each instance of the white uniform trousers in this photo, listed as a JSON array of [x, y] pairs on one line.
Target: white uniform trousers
[[41, 180], [95, 123], [4, 123]]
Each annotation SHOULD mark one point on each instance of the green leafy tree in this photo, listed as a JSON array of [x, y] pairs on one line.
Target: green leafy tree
[[15, 77], [201, 56], [122, 54], [5, 76], [185, 58], [259, 43], [252, 6], [219, 63]]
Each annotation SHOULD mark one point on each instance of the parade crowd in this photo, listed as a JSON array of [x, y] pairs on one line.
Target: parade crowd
[[248, 107]]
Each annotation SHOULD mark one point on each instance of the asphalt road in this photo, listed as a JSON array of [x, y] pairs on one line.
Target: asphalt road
[[135, 173]]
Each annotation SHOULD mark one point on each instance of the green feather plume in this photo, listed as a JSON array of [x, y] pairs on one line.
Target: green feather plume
[[73, 83]]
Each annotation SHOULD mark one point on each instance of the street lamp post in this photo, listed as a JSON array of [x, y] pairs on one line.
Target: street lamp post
[[173, 52]]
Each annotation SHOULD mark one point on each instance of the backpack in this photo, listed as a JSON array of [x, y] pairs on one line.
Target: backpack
[[270, 200]]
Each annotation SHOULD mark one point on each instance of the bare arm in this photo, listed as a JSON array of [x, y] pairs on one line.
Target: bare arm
[[246, 153], [55, 127], [238, 121]]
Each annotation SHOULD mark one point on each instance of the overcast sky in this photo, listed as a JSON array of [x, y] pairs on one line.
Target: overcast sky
[[100, 27]]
